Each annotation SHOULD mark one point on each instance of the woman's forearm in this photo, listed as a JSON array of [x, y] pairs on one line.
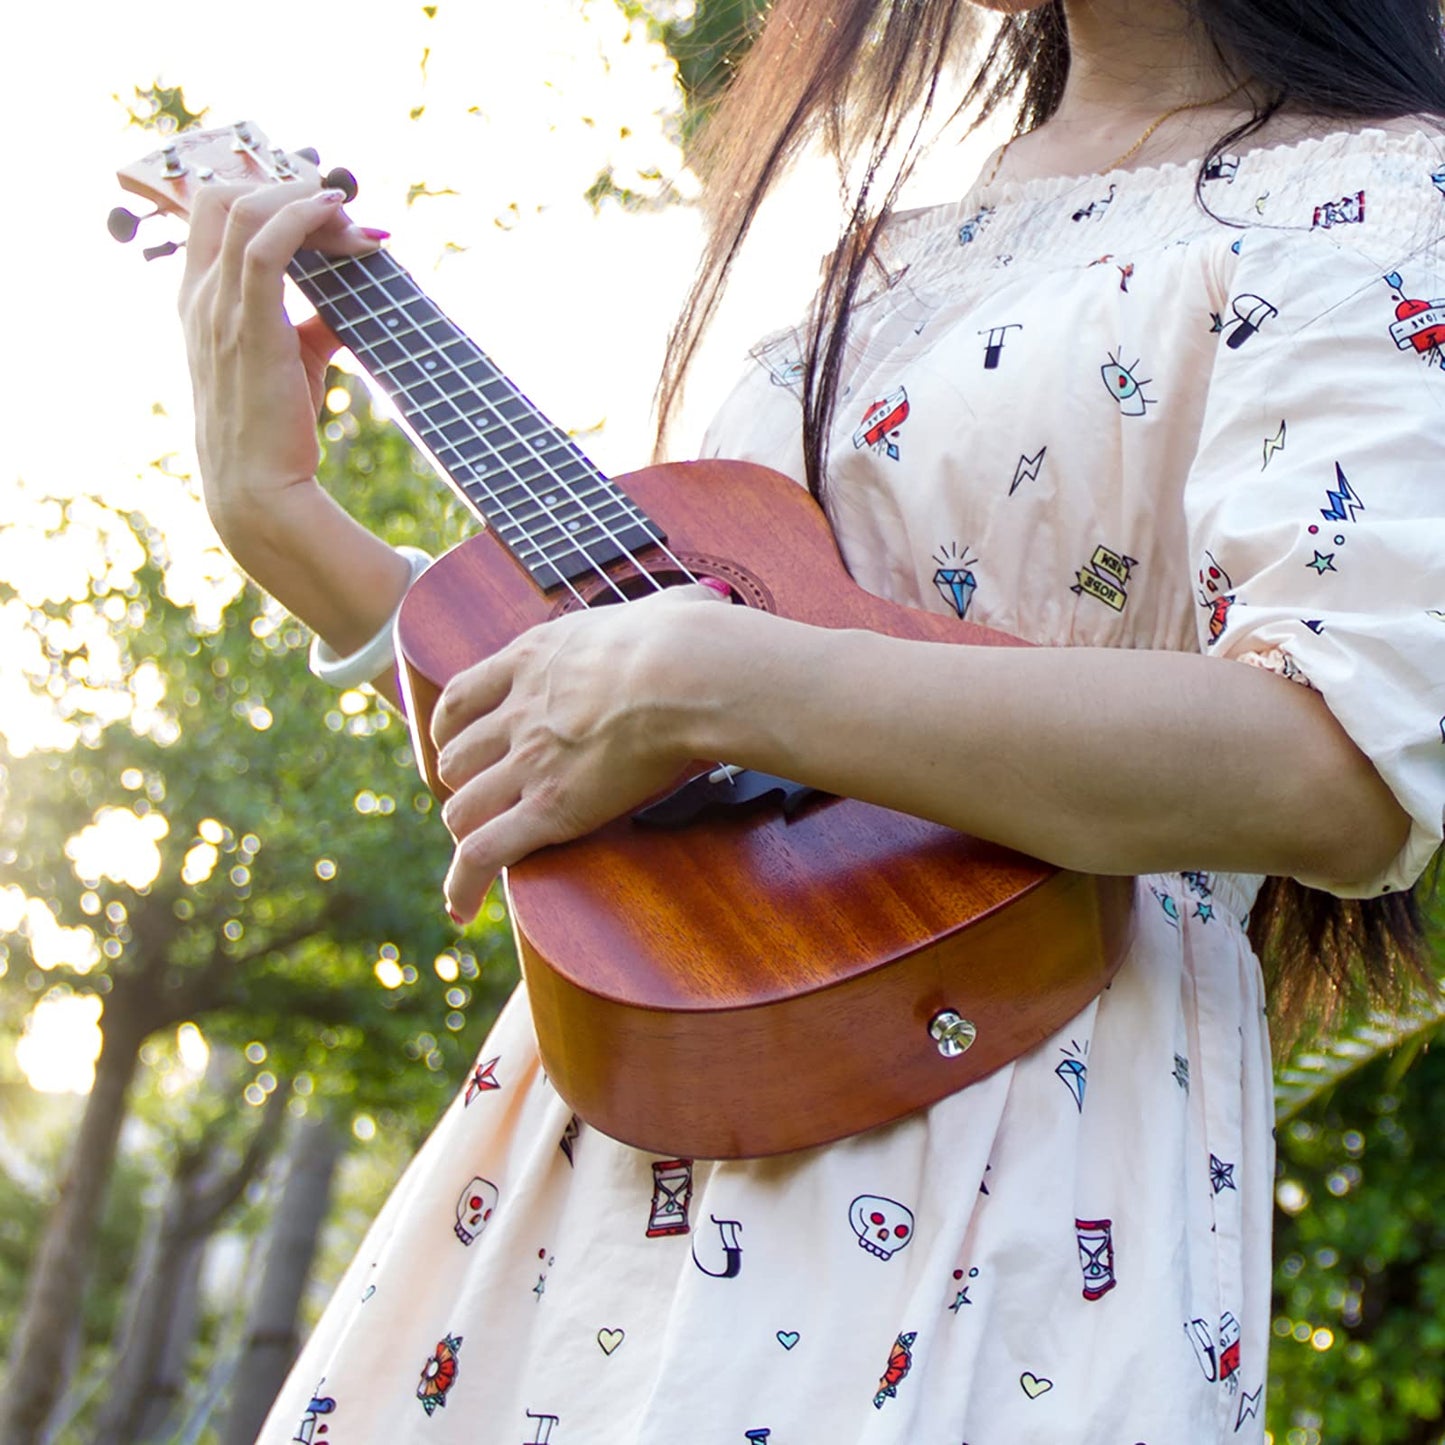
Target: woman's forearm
[[323, 566], [1104, 760]]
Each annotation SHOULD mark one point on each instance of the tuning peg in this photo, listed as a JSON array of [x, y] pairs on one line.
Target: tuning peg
[[310, 153], [123, 225], [166, 248], [338, 178]]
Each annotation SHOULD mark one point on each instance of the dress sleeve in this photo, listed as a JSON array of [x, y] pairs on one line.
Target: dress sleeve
[[1316, 500]]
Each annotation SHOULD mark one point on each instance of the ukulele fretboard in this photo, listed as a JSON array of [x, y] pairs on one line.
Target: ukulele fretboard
[[524, 476]]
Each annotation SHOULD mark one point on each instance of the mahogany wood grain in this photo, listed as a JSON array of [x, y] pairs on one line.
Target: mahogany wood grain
[[747, 985], [750, 985]]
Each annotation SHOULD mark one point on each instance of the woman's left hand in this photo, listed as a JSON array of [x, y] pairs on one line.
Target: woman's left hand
[[560, 732]]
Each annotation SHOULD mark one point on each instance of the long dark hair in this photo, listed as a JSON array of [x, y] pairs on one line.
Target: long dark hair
[[864, 75]]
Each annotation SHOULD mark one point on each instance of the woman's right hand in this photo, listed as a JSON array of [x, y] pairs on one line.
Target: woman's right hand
[[258, 381]]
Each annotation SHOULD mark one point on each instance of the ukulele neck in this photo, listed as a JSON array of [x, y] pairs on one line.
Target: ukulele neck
[[520, 473]]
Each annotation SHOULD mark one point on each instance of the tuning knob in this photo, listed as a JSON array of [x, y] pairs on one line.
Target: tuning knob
[[310, 153], [338, 178], [123, 225]]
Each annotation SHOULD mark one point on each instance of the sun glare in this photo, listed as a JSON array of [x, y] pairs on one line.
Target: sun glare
[[61, 1043], [544, 203]]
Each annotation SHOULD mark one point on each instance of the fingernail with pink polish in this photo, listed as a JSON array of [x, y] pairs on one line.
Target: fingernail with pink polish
[[717, 585], [456, 917], [373, 234]]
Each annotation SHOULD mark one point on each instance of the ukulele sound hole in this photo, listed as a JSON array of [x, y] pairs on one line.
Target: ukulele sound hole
[[629, 584]]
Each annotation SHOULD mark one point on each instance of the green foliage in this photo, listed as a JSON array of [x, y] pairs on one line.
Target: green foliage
[[163, 108], [1312, 1073], [43, 1126], [707, 45], [293, 908], [1358, 1356]]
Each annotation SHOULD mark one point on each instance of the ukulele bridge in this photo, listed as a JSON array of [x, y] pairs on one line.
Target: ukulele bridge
[[724, 789]]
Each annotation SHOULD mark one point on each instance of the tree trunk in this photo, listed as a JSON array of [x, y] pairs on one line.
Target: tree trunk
[[271, 1334], [168, 1379], [202, 1189], [154, 1284], [56, 1287]]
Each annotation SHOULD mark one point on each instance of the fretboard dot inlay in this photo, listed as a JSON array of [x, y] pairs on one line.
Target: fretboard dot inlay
[[488, 439]]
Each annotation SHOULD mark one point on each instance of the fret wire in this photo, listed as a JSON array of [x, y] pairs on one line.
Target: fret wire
[[559, 518], [477, 356], [570, 530], [335, 271], [601, 524]]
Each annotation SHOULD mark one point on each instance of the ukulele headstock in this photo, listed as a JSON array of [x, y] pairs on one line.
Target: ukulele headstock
[[170, 177]]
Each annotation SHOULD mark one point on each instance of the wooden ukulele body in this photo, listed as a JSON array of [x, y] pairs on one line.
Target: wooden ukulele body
[[749, 984]]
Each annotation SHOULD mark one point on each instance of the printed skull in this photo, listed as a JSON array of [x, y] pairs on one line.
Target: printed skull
[[474, 1209], [883, 1226]]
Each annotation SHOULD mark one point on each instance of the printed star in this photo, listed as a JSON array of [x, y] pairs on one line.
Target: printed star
[[1216, 322], [1204, 911], [1221, 1175], [962, 1300], [1323, 562], [540, 1288]]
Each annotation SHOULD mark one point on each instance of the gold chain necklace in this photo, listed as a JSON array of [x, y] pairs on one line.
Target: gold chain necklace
[[1138, 144]]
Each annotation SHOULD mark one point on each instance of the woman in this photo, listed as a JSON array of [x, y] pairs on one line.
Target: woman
[[1128, 372]]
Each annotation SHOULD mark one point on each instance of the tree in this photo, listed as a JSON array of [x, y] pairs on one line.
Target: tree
[[1358, 1356], [207, 1179], [272, 1338], [227, 900]]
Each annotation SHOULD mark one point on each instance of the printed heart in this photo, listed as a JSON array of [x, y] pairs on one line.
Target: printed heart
[[788, 1338], [610, 1339], [1034, 1386]]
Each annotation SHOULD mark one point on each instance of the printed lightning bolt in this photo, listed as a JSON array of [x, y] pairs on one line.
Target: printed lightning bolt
[[1343, 502], [1027, 470], [1248, 1406], [1273, 444]]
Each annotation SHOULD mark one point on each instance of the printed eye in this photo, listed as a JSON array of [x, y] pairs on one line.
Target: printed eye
[[1120, 381], [1126, 388]]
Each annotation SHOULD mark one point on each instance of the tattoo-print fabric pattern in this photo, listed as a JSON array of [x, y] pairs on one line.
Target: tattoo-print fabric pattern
[[1052, 418]]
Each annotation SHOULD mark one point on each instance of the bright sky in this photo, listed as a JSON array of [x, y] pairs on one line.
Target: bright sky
[[519, 105]]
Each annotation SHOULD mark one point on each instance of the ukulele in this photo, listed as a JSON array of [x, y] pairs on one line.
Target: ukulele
[[742, 967]]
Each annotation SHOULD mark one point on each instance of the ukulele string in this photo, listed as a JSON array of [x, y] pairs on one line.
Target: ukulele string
[[336, 268], [499, 508], [553, 475], [724, 772], [275, 176]]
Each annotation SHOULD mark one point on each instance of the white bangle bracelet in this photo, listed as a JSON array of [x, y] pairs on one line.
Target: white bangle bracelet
[[370, 660]]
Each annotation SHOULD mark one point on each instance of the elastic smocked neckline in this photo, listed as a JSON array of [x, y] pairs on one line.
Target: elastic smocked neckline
[[1308, 153]]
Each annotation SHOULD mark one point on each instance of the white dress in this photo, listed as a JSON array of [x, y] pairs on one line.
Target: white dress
[[1087, 413]]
